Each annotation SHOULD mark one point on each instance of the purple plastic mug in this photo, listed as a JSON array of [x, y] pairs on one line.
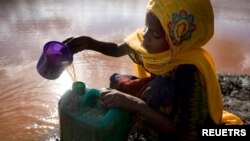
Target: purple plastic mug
[[55, 57]]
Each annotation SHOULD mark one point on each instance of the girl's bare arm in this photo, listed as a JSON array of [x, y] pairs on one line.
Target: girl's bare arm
[[87, 43]]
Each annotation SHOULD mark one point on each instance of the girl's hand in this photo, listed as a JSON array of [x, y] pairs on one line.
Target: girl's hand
[[116, 99], [77, 44]]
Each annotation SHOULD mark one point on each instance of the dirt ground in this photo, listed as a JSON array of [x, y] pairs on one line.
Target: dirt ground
[[236, 95]]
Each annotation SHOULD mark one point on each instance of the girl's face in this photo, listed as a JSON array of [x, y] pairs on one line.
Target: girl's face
[[154, 40]]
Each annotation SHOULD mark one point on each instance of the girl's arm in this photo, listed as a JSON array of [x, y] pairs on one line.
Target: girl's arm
[[87, 43], [115, 98]]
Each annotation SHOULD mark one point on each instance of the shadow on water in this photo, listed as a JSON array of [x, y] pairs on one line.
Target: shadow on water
[[28, 109]]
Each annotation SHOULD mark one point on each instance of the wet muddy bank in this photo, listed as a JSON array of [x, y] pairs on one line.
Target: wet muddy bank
[[236, 95]]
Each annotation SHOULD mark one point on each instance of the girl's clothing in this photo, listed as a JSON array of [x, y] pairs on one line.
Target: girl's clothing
[[200, 58], [180, 96]]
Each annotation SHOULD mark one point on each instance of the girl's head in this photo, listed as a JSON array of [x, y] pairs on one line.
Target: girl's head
[[154, 40], [185, 24]]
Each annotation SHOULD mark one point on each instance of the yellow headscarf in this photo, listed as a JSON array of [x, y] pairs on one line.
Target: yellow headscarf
[[188, 25]]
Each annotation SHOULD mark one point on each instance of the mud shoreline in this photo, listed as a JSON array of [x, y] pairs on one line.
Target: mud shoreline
[[236, 95]]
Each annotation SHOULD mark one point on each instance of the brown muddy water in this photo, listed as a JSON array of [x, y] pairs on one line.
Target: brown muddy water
[[28, 102]]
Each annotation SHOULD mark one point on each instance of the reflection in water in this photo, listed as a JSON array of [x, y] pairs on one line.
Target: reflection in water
[[28, 109], [236, 57], [230, 45]]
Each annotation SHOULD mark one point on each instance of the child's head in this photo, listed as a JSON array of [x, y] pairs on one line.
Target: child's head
[[174, 34], [154, 40], [187, 24]]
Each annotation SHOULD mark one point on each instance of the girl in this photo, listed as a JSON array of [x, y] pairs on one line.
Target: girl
[[176, 91]]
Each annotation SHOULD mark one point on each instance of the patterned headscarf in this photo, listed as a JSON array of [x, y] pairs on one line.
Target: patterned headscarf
[[188, 25]]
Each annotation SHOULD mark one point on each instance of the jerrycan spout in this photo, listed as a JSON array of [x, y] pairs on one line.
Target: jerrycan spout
[[91, 120]]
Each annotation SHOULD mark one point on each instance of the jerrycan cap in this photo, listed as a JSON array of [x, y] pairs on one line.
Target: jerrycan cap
[[78, 87]]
